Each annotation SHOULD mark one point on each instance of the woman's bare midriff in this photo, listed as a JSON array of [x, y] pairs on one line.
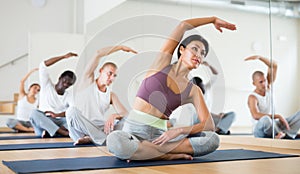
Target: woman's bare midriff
[[143, 106]]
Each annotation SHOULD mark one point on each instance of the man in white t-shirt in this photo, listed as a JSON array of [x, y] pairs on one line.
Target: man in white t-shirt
[[86, 119], [260, 106], [49, 119]]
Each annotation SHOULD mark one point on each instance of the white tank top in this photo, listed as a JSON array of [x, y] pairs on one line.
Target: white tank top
[[24, 108], [93, 103], [264, 105]]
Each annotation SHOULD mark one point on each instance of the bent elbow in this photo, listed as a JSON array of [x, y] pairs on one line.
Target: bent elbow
[[184, 25], [209, 127], [255, 116]]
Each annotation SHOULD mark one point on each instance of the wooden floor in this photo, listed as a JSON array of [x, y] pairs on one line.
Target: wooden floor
[[263, 166]]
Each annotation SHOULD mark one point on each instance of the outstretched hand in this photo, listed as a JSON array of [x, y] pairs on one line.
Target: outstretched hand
[[255, 57], [128, 49], [219, 24], [70, 54]]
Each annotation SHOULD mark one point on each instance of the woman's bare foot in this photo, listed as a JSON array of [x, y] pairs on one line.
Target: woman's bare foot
[[280, 135], [83, 140], [173, 156], [170, 157], [176, 156]]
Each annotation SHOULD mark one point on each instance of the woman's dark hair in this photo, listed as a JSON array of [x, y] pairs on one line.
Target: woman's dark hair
[[198, 81], [191, 38], [69, 74]]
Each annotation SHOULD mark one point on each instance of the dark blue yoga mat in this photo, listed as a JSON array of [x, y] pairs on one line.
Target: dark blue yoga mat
[[110, 162], [8, 132], [31, 146], [19, 137], [23, 137]]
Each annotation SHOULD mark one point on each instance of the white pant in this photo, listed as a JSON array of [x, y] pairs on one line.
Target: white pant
[[41, 122], [80, 126]]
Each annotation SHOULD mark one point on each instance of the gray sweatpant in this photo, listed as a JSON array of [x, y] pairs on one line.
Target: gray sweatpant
[[80, 126], [264, 129], [41, 122], [123, 144], [203, 143], [223, 123]]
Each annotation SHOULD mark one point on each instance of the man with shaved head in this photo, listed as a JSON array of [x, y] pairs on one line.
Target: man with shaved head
[[259, 104]]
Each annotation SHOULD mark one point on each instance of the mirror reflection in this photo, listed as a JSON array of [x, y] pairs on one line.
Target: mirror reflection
[[255, 36]]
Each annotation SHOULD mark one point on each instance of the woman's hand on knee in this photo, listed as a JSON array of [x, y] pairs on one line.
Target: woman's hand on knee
[[166, 136]]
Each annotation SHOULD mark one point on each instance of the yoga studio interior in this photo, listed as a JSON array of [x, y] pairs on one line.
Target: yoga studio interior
[[266, 39]]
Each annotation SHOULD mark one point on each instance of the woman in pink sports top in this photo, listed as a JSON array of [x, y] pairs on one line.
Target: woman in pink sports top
[[165, 87]]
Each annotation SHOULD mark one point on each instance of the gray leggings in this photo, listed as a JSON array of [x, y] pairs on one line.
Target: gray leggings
[[123, 144]]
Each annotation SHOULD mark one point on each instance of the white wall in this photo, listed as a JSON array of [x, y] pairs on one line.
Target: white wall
[[96, 8], [46, 45], [11, 76], [230, 48], [285, 40], [18, 19]]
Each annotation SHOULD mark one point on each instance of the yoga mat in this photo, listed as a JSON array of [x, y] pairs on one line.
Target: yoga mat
[[5, 132], [23, 137], [41, 146], [110, 162]]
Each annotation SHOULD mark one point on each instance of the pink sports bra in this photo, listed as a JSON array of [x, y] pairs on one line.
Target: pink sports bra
[[155, 91]]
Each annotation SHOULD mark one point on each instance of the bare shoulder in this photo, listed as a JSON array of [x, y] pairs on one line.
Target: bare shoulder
[[252, 99], [195, 92]]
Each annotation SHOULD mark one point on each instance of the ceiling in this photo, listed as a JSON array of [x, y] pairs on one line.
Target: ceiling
[[284, 8]]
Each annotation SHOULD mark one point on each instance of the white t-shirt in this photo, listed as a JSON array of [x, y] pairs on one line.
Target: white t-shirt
[[263, 105], [49, 99], [263, 102], [93, 103], [24, 108]]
